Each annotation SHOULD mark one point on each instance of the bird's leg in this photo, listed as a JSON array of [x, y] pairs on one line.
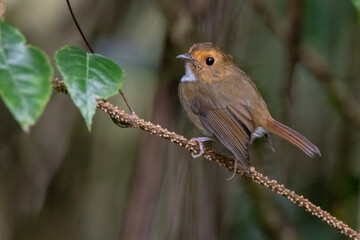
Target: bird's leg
[[234, 170], [200, 141], [268, 139], [262, 132]]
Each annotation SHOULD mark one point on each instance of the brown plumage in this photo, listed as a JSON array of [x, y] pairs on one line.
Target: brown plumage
[[222, 101]]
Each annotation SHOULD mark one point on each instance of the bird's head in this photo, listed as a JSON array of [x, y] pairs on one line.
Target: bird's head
[[207, 62]]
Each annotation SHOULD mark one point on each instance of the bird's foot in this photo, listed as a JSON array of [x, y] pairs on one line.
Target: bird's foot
[[200, 141]]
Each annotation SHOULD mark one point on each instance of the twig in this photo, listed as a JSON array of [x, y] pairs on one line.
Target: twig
[[270, 19], [350, 108], [2, 9], [126, 102], [342, 96], [293, 36], [135, 122]]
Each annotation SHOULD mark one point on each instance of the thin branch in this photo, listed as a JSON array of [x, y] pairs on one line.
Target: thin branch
[[349, 107], [78, 27], [135, 122], [126, 102], [342, 96], [270, 19], [293, 37], [2, 9]]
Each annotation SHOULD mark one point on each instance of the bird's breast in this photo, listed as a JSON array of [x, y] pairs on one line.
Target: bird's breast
[[190, 97]]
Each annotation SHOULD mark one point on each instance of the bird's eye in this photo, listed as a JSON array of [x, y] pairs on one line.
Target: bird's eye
[[210, 61]]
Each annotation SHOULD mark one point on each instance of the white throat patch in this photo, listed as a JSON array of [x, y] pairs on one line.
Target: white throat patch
[[189, 75]]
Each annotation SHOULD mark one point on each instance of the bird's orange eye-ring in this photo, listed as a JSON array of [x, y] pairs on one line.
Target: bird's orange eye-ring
[[210, 61]]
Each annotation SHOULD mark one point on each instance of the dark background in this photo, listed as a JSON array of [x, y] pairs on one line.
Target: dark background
[[62, 182]]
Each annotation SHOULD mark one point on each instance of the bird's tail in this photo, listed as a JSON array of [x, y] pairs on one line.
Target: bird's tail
[[292, 136]]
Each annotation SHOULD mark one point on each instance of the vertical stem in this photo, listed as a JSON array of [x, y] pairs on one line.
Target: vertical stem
[[293, 37], [2, 9]]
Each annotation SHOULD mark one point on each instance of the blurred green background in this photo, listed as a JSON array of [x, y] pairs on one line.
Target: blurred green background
[[62, 182]]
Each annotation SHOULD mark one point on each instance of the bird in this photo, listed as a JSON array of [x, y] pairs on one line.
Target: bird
[[224, 104]]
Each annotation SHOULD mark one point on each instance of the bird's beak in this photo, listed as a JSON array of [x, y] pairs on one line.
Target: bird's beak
[[185, 57]]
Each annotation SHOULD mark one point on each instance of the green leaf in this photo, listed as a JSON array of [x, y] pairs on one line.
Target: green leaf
[[87, 77], [25, 76], [356, 4]]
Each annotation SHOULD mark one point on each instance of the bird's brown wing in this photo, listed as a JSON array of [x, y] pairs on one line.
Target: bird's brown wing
[[232, 125]]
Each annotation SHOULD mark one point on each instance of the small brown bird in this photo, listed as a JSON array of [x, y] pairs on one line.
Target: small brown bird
[[222, 101]]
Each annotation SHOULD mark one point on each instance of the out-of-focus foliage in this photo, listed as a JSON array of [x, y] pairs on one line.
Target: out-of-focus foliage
[[25, 74], [62, 182], [357, 6]]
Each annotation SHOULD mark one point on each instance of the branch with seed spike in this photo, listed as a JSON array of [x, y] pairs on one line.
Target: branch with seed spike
[[133, 121]]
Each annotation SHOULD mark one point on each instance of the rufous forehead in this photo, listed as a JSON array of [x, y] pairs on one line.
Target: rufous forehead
[[201, 51], [202, 54]]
